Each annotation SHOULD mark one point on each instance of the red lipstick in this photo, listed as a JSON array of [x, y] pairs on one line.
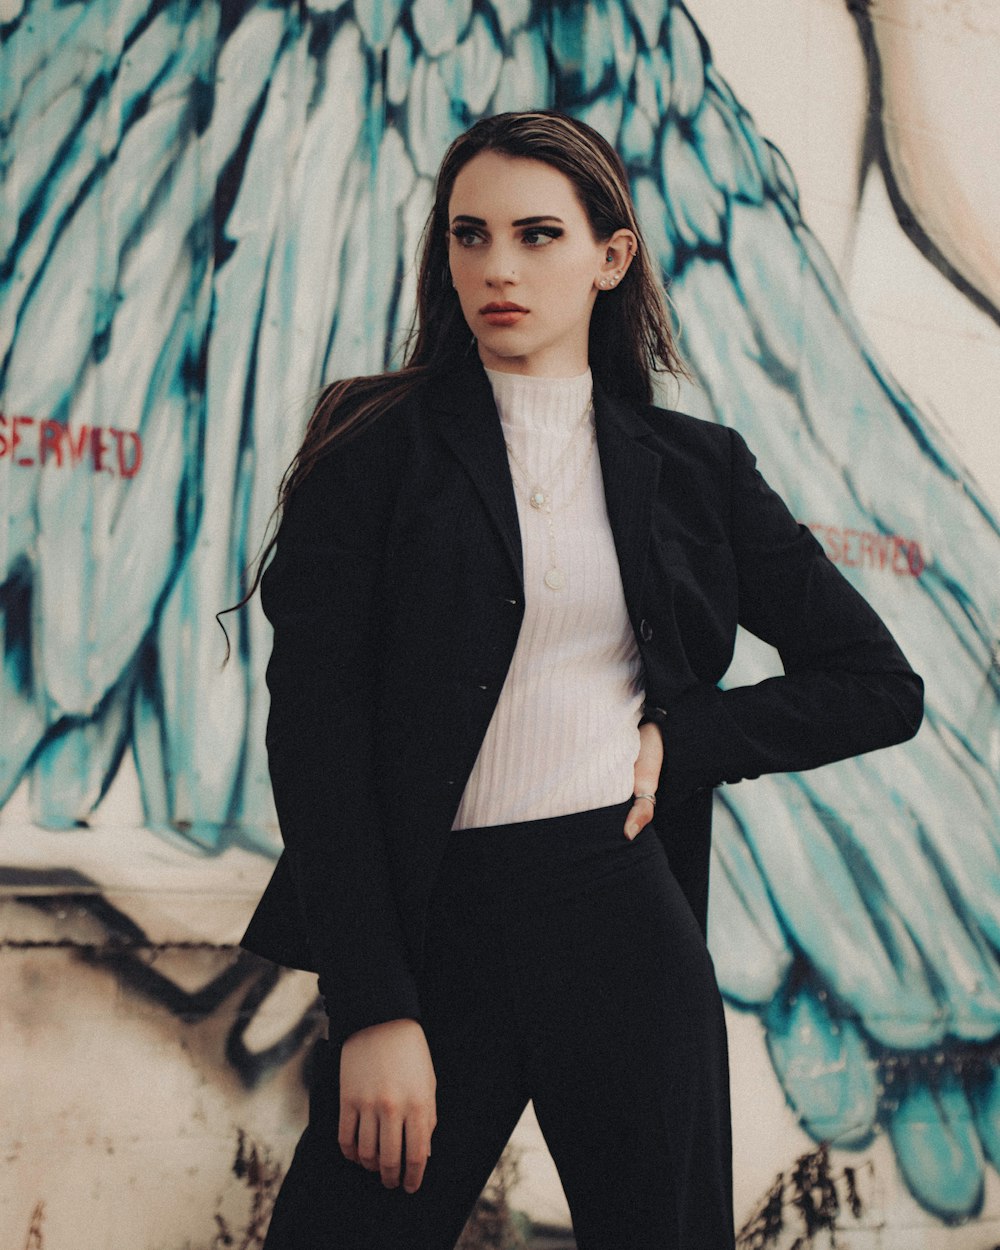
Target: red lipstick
[[502, 314]]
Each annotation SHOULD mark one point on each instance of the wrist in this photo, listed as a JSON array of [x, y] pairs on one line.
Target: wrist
[[653, 715], [386, 1028]]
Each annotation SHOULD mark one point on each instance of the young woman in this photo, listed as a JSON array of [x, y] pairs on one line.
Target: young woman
[[504, 590]]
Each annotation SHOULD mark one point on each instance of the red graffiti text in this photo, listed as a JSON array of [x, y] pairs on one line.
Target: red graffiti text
[[30, 441], [864, 549]]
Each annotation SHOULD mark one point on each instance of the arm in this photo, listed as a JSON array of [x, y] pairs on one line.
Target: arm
[[645, 779], [847, 687], [321, 595], [319, 592]]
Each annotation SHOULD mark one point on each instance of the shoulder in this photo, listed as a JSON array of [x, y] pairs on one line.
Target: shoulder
[[693, 439], [673, 424], [372, 420], [352, 481], [372, 412]]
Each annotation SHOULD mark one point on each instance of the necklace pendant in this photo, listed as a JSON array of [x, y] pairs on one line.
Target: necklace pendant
[[555, 579], [538, 498]]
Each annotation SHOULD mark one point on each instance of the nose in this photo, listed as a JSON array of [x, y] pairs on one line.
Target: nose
[[501, 267]]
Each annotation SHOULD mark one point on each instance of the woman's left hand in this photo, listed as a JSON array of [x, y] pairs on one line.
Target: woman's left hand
[[647, 777]]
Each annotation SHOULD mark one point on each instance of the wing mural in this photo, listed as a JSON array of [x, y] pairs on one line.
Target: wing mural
[[209, 209]]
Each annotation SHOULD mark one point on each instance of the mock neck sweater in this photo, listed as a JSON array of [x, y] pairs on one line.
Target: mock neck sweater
[[564, 735]]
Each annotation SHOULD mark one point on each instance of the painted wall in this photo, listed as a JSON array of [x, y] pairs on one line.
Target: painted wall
[[207, 209]]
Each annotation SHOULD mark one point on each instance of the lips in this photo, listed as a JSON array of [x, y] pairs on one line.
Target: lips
[[505, 314]]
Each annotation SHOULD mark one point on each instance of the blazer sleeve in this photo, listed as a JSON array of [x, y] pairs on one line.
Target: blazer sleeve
[[321, 594], [846, 689]]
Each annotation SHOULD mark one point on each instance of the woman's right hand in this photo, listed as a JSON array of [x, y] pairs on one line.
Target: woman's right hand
[[387, 1087]]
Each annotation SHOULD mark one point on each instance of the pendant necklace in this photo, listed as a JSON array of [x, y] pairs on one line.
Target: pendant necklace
[[540, 497]]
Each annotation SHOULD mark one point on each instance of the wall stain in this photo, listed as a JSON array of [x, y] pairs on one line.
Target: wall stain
[[255, 1167], [810, 1195], [35, 1240], [126, 952]]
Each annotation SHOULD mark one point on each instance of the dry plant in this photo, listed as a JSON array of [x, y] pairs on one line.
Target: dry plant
[[492, 1225]]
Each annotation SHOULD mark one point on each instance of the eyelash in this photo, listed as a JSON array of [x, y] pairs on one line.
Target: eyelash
[[466, 236]]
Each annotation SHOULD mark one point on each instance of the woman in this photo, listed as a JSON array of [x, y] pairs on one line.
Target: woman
[[504, 590]]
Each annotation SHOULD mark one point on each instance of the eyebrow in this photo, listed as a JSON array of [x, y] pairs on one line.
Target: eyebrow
[[521, 221]]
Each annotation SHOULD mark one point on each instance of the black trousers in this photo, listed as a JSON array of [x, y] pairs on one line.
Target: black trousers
[[562, 965]]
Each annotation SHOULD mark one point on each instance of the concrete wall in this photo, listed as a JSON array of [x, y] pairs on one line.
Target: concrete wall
[[201, 205]]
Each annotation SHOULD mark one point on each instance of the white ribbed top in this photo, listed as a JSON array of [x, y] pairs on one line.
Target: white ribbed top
[[564, 735]]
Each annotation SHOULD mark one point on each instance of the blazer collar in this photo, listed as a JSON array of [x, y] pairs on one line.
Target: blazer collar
[[467, 419], [631, 471]]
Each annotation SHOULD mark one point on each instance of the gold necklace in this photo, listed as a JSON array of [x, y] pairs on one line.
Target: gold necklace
[[540, 498]]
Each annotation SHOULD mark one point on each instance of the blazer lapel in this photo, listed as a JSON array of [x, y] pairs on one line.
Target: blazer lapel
[[467, 420], [631, 472]]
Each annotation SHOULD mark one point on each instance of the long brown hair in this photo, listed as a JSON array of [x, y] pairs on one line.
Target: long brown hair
[[630, 333]]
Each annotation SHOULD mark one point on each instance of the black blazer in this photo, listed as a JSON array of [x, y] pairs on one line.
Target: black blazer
[[396, 597]]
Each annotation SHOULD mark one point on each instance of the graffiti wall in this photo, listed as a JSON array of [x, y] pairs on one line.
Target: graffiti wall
[[211, 206]]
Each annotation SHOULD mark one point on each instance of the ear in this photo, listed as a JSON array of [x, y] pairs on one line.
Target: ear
[[618, 252]]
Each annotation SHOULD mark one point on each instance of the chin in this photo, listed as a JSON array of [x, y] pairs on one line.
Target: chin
[[507, 352]]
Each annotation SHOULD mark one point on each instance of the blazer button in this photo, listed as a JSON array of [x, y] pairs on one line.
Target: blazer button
[[645, 630]]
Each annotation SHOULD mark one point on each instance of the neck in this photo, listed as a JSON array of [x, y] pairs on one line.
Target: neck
[[565, 361], [540, 403]]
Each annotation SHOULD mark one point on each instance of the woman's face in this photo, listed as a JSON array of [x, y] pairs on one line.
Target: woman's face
[[525, 264]]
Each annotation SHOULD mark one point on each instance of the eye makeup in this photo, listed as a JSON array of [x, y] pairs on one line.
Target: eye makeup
[[467, 230]]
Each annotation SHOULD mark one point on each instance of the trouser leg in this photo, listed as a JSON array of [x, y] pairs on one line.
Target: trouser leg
[[329, 1203], [630, 1076], [562, 963]]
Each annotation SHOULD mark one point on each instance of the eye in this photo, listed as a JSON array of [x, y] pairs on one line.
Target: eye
[[539, 236], [466, 236]]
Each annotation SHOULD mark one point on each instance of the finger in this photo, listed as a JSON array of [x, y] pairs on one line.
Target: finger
[[368, 1139], [390, 1149], [347, 1132], [639, 816], [418, 1149]]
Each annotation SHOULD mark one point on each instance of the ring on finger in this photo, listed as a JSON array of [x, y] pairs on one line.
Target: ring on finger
[[651, 797]]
